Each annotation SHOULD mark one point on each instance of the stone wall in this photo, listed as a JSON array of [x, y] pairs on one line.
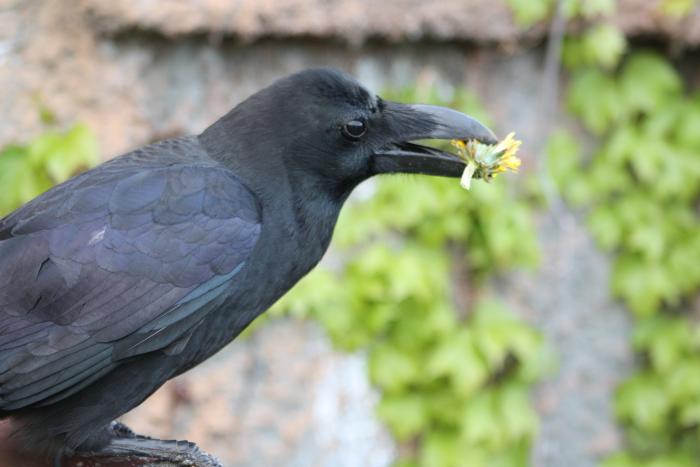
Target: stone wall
[[356, 21]]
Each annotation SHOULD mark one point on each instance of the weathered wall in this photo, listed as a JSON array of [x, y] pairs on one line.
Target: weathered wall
[[355, 21], [295, 401]]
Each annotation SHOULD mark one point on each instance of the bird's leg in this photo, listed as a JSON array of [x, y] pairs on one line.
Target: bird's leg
[[126, 446]]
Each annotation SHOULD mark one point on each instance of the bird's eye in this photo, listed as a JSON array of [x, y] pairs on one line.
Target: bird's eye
[[354, 129]]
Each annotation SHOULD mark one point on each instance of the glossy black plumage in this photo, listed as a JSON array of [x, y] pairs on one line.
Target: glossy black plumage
[[115, 263], [135, 271]]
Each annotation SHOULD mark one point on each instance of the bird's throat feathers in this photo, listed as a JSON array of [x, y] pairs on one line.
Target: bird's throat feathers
[[303, 205]]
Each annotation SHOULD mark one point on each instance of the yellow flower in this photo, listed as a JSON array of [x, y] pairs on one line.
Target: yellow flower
[[459, 143], [509, 147], [511, 163], [486, 161]]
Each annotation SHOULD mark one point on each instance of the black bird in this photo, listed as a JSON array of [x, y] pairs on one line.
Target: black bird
[[136, 271]]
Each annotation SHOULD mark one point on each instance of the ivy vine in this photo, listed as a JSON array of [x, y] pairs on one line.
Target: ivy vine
[[640, 188], [27, 170]]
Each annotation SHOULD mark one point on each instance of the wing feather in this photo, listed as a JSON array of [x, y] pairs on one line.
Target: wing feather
[[123, 260]]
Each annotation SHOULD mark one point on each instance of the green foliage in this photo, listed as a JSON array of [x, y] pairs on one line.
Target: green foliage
[[496, 226], [667, 460], [678, 8], [601, 45], [455, 382], [643, 180], [528, 12], [642, 187], [28, 170], [660, 405]]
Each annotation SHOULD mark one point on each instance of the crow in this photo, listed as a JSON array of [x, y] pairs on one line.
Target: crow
[[134, 272]]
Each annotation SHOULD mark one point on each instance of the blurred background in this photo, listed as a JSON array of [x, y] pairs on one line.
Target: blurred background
[[547, 319]]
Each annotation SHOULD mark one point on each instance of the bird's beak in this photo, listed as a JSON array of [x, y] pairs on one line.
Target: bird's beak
[[406, 123]]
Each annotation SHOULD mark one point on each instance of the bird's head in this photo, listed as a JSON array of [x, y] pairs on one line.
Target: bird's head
[[328, 127]]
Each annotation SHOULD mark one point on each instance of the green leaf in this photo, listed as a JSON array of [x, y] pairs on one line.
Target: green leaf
[[563, 157], [456, 358], [519, 418], [686, 123], [528, 12], [596, 98], [13, 175], [643, 401], [648, 82], [684, 380], [443, 449], [392, 369], [19, 179], [668, 341], [63, 155], [27, 171], [643, 287], [405, 415], [670, 460], [678, 8], [605, 227], [604, 45], [481, 424]]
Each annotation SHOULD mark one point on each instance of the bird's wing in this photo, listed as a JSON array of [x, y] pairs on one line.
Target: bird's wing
[[117, 262]]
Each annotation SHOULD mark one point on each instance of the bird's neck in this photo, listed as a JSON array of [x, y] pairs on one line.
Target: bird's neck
[[316, 209], [303, 208]]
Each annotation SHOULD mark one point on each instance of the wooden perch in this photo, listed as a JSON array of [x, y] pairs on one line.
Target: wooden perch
[[130, 451]]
